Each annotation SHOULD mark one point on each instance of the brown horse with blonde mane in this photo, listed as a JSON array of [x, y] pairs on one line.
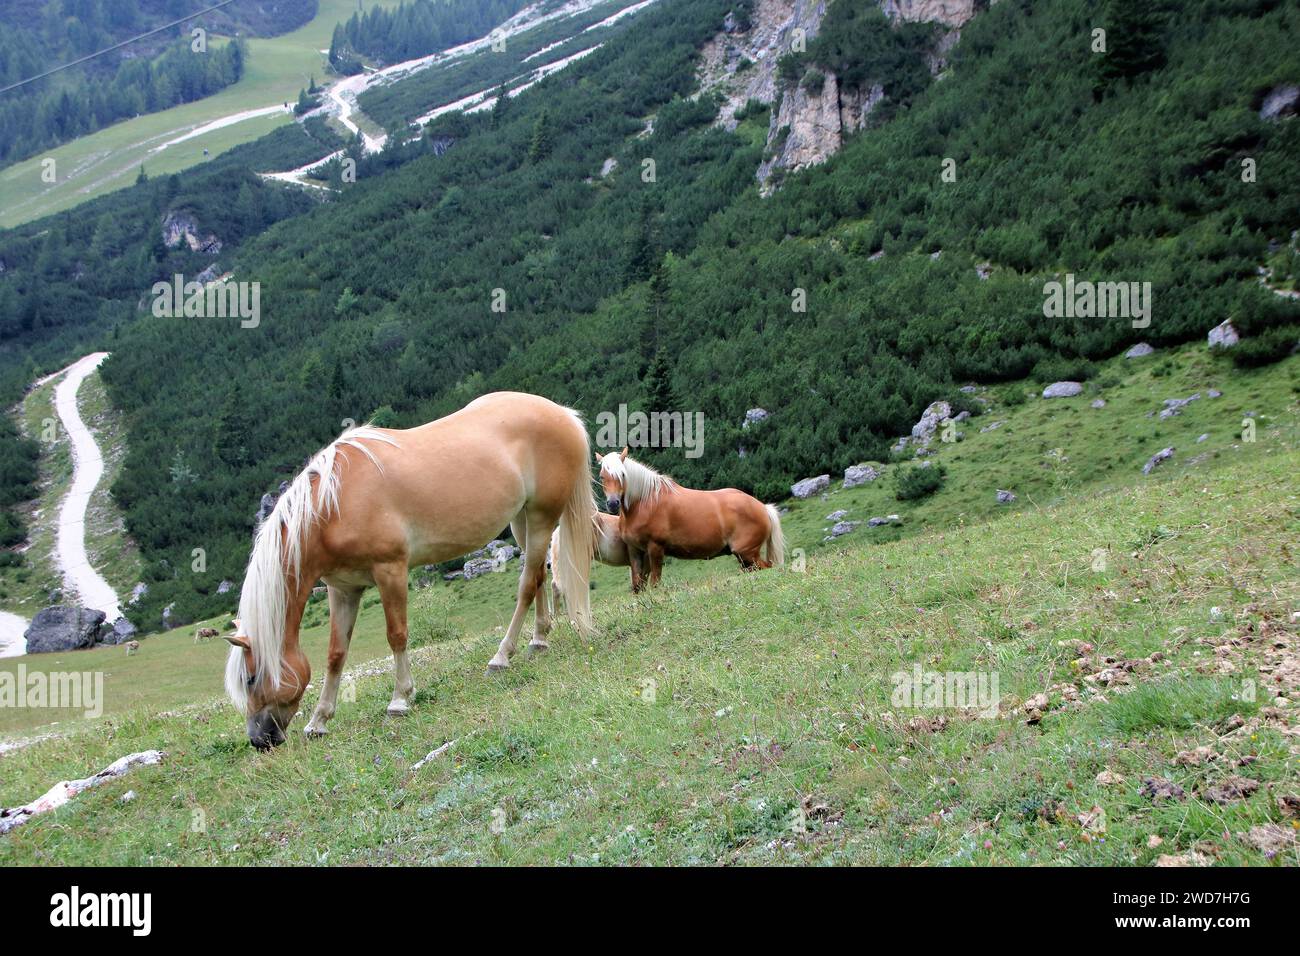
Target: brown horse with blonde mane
[[659, 517], [378, 500]]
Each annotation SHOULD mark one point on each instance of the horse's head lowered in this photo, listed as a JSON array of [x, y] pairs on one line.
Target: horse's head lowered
[[613, 478], [270, 699]]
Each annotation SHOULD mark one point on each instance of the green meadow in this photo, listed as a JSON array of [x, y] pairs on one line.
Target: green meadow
[[1142, 633]]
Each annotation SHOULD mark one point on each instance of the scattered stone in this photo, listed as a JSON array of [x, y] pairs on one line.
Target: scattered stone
[[1156, 789], [1063, 390], [1108, 778], [137, 592], [968, 389], [983, 270], [1158, 458], [992, 426], [63, 628], [1214, 393], [224, 587], [754, 416], [1034, 708], [934, 413], [842, 528], [860, 474], [1282, 101], [1223, 335], [810, 486], [1098, 403], [1216, 615], [120, 632], [1202, 438], [887, 519], [1175, 406], [1138, 351], [1153, 841], [1005, 497]]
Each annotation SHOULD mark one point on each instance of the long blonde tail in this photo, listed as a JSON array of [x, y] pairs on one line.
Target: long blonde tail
[[775, 538], [574, 547]]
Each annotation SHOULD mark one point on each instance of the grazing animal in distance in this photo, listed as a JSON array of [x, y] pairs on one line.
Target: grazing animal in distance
[[377, 501], [610, 549], [205, 634], [132, 647], [659, 517]]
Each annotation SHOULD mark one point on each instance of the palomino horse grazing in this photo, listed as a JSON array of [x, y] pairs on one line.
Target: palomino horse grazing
[[659, 517], [610, 549], [378, 500]]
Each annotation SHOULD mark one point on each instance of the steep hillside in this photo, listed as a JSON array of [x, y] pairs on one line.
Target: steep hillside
[[1135, 710], [1045, 453], [622, 227]]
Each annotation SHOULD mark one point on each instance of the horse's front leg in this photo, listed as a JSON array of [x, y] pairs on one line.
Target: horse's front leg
[[391, 580], [636, 561], [655, 558], [344, 604]]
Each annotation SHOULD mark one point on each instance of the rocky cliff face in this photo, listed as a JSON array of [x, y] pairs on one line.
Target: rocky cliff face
[[809, 122], [952, 13]]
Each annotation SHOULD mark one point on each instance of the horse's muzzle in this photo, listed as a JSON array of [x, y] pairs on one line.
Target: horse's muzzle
[[613, 503], [264, 732]]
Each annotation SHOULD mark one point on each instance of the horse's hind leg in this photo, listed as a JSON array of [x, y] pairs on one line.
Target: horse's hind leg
[[391, 579], [344, 604], [532, 577]]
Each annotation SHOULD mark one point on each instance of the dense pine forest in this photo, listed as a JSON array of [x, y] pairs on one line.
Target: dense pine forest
[[151, 74], [414, 29], [843, 303]]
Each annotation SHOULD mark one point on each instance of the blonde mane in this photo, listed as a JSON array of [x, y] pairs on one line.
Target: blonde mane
[[277, 557], [640, 482]]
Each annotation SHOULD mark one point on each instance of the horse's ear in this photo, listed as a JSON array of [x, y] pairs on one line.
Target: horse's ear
[[599, 457], [239, 640], [623, 454]]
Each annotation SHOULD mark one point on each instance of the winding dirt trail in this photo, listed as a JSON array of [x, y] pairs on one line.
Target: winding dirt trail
[[80, 579]]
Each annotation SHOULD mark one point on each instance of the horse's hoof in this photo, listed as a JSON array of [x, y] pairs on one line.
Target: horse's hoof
[[495, 667], [398, 708], [536, 647], [313, 732]]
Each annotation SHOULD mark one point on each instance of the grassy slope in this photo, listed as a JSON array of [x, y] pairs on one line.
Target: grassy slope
[[1104, 448], [277, 68], [773, 691]]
